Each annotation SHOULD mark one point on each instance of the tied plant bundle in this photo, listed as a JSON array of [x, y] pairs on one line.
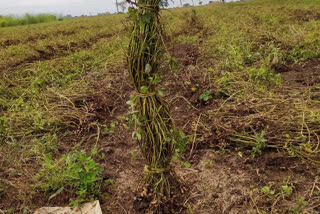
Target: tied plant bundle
[[154, 126]]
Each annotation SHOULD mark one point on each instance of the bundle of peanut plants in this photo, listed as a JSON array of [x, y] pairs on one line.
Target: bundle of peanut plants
[[155, 129]]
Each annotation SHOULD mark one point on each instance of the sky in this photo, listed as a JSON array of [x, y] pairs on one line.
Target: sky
[[64, 7]]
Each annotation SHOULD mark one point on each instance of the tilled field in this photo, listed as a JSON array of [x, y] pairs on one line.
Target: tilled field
[[245, 98]]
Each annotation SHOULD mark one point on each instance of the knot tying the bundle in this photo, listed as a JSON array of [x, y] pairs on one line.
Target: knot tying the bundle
[[148, 6], [149, 94], [149, 170]]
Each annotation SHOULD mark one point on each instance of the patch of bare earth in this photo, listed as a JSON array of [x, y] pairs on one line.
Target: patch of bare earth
[[304, 77], [304, 15]]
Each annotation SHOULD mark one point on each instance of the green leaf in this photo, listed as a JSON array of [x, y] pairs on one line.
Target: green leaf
[[143, 89], [56, 193], [157, 80], [109, 181], [138, 136], [106, 129], [205, 96], [161, 91], [210, 69], [130, 103], [146, 18], [94, 151], [173, 64], [148, 68], [185, 164]]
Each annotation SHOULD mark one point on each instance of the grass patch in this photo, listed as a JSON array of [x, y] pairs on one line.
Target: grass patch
[[27, 19]]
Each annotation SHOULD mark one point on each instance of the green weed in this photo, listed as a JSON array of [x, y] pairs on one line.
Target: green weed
[[286, 190], [274, 192], [301, 54], [46, 144], [260, 144], [208, 165], [266, 190], [205, 96], [133, 156], [224, 85], [182, 141], [76, 171], [264, 76], [109, 129], [300, 204]]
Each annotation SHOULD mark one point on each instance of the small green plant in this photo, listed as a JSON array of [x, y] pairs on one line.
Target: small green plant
[[133, 156], [181, 142], [286, 190], [173, 64], [109, 182], [48, 143], [266, 190], [299, 54], [76, 171], [272, 192], [205, 96], [298, 208], [185, 164], [111, 128], [208, 165], [264, 75], [260, 144], [224, 85]]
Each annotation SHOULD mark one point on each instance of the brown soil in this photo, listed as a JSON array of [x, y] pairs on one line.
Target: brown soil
[[306, 15], [219, 183], [186, 53], [302, 75], [9, 42], [38, 37]]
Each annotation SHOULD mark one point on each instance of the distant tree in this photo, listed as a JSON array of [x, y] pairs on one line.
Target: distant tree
[[200, 2], [186, 5], [117, 6], [123, 5], [164, 3]]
